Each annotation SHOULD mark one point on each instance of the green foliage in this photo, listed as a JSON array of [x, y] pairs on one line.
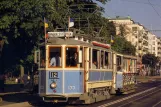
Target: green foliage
[[22, 27], [150, 59], [121, 45], [122, 30]]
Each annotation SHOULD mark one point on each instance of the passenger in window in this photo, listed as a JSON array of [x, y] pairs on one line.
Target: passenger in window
[[119, 68], [74, 60], [94, 65], [58, 59], [106, 66], [53, 60]]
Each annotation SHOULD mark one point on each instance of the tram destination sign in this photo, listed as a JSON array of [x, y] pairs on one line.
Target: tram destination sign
[[60, 34]]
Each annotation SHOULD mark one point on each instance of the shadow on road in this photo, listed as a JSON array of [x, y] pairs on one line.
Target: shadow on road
[[19, 97], [32, 99]]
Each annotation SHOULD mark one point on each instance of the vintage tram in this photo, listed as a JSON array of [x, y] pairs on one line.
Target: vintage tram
[[78, 71]]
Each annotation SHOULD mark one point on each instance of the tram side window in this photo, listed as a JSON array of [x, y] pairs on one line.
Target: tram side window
[[71, 57], [90, 58], [124, 64], [95, 59], [118, 63], [42, 57], [106, 60], [110, 60], [81, 64], [102, 59], [55, 59]]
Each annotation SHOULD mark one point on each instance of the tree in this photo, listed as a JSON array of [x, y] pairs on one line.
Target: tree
[[150, 59], [121, 45], [88, 18], [122, 30], [22, 27]]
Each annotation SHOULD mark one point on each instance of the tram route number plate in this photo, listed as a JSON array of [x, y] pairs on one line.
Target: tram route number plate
[[53, 75]]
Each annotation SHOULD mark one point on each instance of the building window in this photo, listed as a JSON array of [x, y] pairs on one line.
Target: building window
[[134, 29]]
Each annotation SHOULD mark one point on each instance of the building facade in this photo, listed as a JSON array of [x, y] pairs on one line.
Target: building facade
[[135, 33]]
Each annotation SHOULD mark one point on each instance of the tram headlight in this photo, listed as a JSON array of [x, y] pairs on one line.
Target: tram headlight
[[53, 85]]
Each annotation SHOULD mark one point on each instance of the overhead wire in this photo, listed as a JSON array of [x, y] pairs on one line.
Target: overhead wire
[[142, 3], [149, 3], [154, 9]]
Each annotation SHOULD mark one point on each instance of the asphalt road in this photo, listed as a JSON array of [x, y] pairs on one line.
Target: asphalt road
[[146, 95]]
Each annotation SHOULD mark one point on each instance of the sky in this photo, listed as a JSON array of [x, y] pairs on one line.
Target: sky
[[139, 10]]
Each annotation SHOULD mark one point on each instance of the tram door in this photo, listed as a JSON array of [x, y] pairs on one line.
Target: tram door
[[119, 73], [86, 67]]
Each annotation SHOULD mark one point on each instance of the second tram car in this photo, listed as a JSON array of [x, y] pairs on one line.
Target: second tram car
[[73, 70]]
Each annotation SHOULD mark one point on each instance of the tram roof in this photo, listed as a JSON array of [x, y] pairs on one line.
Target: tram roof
[[70, 41], [60, 41], [130, 56]]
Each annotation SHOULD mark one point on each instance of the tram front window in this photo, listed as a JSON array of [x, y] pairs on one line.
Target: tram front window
[[55, 59], [71, 57]]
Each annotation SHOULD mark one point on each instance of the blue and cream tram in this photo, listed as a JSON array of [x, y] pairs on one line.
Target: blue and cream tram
[[72, 69]]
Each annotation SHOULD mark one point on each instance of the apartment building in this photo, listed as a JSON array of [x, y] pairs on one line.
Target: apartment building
[[159, 47], [153, 44], [121, 21], [136, 33]]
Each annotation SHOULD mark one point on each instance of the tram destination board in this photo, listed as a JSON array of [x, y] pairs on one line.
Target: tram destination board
[[53, 75], [60, 34]]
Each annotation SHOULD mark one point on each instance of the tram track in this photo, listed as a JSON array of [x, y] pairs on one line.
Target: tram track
[[137, 96]]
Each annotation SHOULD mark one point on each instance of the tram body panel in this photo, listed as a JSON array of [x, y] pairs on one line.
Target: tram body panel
[[42, 82], [99, 78], [67, 81], [57, 79], [96, 75], [73, 81]]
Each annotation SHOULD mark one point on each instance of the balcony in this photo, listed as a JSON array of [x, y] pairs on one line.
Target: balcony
[[139, 47], [145, 43], [145, 37]]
